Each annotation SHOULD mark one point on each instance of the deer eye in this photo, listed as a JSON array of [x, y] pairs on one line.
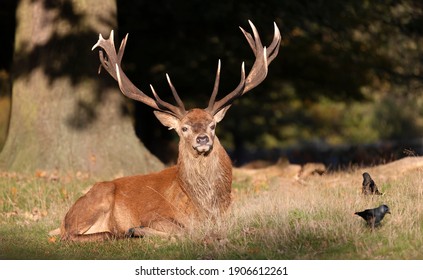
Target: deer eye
[[213, 126], [184, 129]]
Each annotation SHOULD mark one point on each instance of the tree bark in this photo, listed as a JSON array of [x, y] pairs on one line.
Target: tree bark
[[64, 116]]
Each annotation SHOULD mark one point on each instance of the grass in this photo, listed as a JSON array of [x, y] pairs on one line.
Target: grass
[[271, 217]]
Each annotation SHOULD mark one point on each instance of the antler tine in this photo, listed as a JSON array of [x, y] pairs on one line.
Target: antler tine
[[122, 48], [273, 48], [215, 107], [250, 39], [111, 62], [167, 107], [175, 94], [215, 87], [257, 42]]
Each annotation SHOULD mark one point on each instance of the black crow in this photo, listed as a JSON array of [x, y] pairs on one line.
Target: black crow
[[369, 186], [374, 216]]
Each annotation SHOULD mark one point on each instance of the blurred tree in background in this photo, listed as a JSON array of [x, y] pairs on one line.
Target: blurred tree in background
[[348, 72], [7, 20], [64, 116]]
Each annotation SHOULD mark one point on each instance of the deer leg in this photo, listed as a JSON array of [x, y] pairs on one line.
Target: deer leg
[[90, 217], [144, 232], [163, 228], [100, 236]]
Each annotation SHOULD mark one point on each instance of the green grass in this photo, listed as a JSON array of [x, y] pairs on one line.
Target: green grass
[[270, 218]]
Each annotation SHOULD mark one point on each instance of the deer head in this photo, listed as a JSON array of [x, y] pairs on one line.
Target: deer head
[[195, 127]]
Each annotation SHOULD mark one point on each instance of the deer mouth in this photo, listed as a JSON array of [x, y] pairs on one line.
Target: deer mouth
[[203, 149]]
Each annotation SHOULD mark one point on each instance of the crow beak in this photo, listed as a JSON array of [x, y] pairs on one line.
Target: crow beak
[[389, 212]]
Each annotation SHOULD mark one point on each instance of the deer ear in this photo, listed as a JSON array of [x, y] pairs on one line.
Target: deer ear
[[221, 114], [166, 119]]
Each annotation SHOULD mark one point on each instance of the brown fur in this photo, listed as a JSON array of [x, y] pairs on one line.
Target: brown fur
[[211, 192], [198, 187]]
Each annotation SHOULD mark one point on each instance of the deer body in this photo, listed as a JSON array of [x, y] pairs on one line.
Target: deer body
[[198, 187]]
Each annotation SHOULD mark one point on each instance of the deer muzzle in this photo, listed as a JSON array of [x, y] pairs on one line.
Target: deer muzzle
[[203, 144]]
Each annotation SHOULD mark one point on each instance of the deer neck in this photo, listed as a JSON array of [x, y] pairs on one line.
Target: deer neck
[[206, 179]]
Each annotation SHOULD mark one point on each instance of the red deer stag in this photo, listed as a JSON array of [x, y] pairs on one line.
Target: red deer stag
[[198, 187]]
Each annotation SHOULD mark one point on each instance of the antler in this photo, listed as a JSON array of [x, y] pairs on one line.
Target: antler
[[112, 63], [264, 56]]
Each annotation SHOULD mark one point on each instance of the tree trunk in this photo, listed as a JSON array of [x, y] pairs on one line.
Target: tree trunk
[[64, 116]]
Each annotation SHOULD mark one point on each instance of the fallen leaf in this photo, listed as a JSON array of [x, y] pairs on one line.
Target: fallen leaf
[[52, 239], [40, 173]]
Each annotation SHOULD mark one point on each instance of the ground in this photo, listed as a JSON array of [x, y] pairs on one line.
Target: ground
[[279, 211]]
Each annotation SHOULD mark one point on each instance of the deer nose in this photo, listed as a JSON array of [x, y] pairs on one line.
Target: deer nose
[[202, 139]]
